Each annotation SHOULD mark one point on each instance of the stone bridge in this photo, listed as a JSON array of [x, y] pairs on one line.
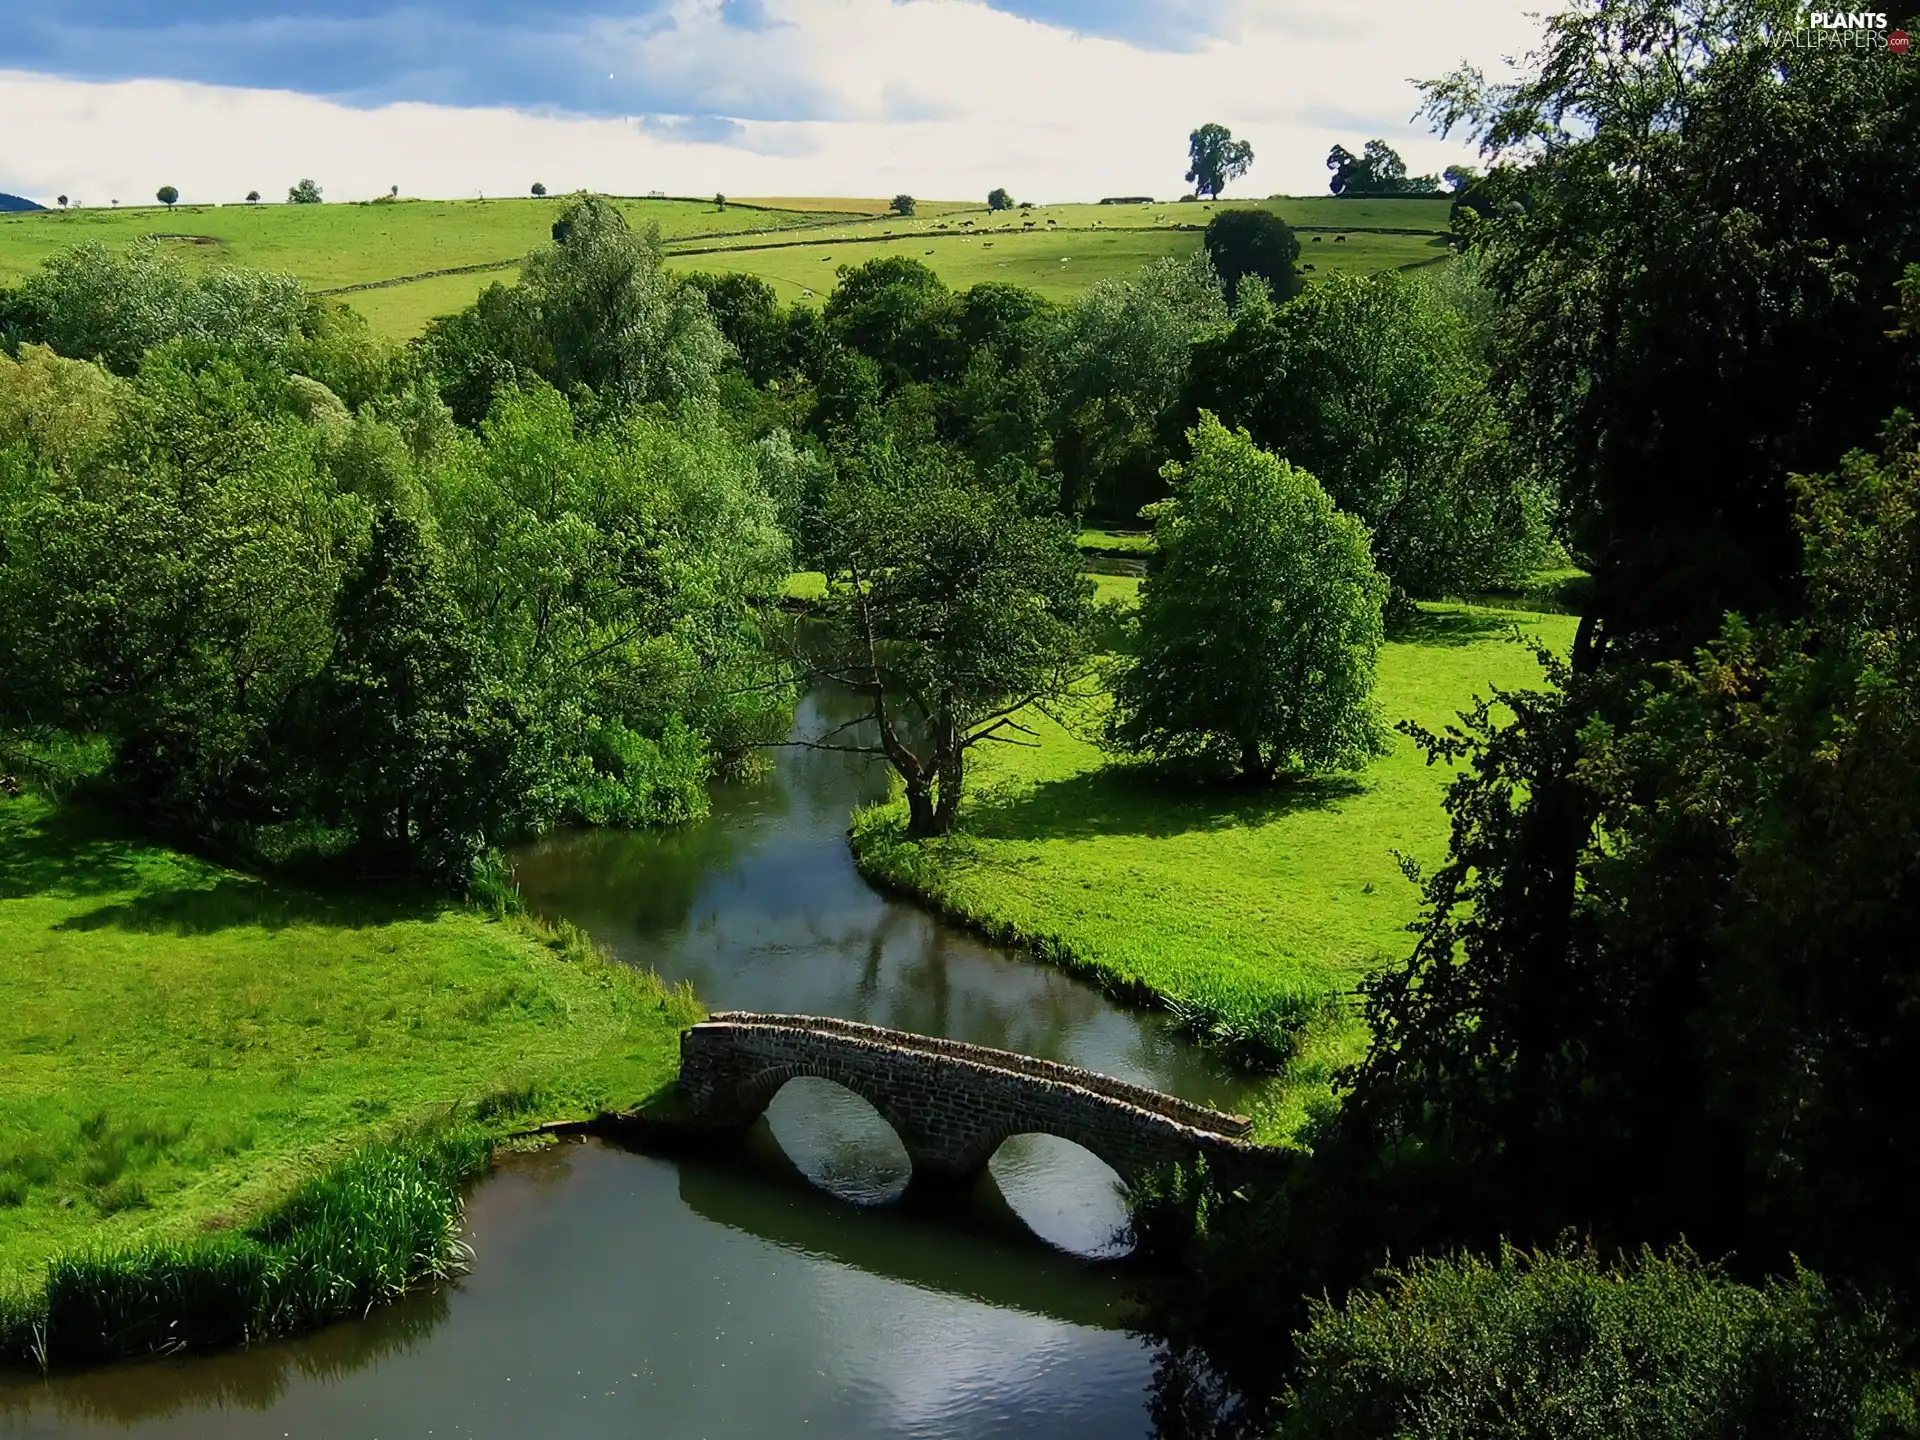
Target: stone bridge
[[951, 1103]]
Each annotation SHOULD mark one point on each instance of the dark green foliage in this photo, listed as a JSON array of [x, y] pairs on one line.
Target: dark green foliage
[[999, 199], [1378, 170], [538, 189], [367, 1232], [1554, 1345], [1259, 623], [1217, 159], [1678, 331], [1253, 242], [305, 192], [1378, 385], [901, 204], [425, 752], [900, 355], [749, 316], [166, 195]]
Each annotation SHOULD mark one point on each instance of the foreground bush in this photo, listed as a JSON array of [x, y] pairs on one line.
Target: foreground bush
[[1554, 1344], [364, 1233]]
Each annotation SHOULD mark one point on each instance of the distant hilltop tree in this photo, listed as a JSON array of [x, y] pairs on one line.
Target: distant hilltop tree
[[253, 197], [166, 195], [305, 193], [63, 202], [719, 202], [902, 205], [1377, 170], [538, 188], [999, 199], [1217, 159]]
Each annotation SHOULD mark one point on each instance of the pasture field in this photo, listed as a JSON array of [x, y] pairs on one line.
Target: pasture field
[[183, 1044], [328, 246], [797, 244], [1245, 911]]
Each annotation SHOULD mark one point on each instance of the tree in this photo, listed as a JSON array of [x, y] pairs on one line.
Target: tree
[[412, 754], [63, 202], [596, 308], [253, 197], [304, 193], [953, 612], [719, 202], [1259, 625], [1649, 990], [1379, 385], [1253, 242], [1118, 361], [1377, 171], [1217, 159], [901, 204], [539, 189], [166, 195], [999, 199]]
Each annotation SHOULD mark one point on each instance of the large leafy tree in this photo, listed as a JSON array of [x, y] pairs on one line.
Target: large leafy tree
[[952, 611], [1378, 385], [415, 750], [1118, 363], [1658, 948], [1253, 242], [1260, 623], [595, 311], [1216, 159]]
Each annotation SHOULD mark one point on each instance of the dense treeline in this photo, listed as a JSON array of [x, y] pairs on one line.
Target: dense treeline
[[320, 593], [1663, 989]]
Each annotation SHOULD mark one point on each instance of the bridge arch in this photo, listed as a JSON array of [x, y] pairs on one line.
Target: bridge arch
[[1064, 1193], [837, 1139], [951, 1104]]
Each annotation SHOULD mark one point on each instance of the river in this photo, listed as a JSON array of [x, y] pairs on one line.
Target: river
[[774, 1292]]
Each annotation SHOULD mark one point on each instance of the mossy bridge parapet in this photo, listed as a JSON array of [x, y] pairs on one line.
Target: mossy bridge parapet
[[952, 1103]]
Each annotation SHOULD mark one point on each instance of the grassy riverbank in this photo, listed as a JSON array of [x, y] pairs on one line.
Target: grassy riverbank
[[1248, 913], [184, 1047]]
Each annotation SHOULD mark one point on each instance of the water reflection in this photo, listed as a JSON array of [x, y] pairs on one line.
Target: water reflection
[[761, 909], [620, 1294], [838, 1141]]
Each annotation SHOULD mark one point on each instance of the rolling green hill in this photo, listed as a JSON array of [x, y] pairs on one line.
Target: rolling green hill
[[402, 263]]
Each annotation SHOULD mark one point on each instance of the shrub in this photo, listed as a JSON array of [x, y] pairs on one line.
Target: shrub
[[1550, 1344]]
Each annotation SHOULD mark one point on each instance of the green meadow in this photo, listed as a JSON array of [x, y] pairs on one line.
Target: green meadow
[[388, 259], [184, 1045], [1249, 914]]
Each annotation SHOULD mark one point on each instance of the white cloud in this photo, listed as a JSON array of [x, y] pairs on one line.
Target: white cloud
[[943, 98]]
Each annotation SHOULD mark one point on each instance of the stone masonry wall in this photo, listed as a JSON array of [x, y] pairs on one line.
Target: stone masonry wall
[[951, 1104]]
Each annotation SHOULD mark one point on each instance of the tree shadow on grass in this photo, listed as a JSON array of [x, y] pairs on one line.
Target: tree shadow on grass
[[237, 901], [1149, 802], [67, 850], [1450, 627]]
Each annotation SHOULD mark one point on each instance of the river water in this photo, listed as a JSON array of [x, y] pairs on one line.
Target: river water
[[771, 1292]]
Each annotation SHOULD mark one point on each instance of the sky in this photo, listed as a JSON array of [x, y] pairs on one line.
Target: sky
[[105, 100]]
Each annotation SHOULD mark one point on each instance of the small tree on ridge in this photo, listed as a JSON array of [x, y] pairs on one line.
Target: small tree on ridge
[[901, 205], [166, 195]]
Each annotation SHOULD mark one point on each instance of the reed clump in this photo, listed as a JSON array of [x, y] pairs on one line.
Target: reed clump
[[371, 1229]]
